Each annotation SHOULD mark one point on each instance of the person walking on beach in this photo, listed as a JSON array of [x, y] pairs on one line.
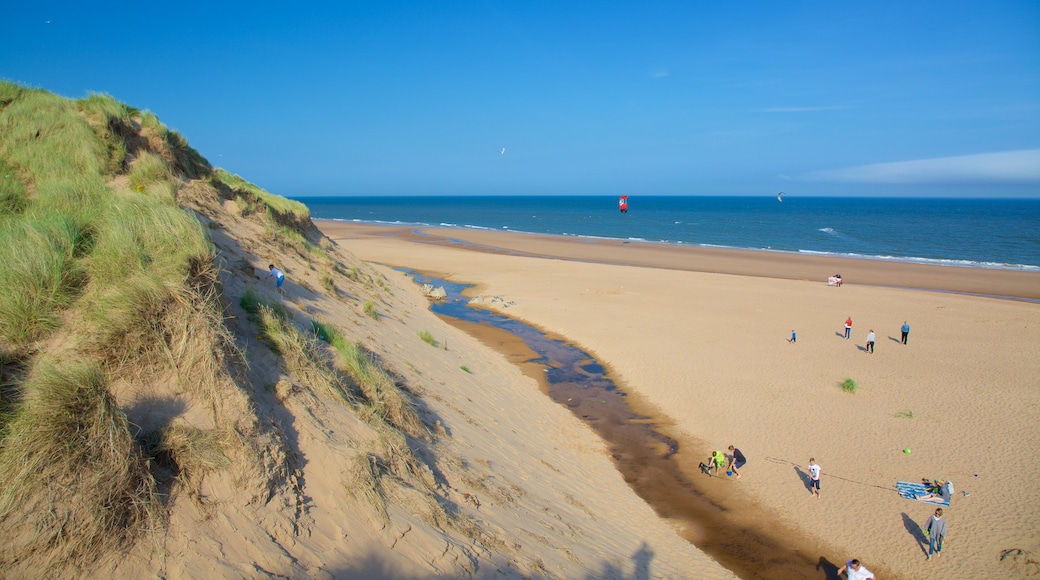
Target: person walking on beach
[[279, 277], [936, 531], [905, 330], [855, 571], [794, 337], [814, 477], [737, 460], [870, 341], [848, 328]]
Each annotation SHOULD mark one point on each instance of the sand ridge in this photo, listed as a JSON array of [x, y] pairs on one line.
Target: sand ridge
[[508, 485]]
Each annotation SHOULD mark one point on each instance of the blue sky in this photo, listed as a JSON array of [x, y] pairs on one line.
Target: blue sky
[[687, 98]]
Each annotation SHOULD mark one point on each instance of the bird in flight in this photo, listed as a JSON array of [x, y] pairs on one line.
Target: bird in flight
[[502, 151]]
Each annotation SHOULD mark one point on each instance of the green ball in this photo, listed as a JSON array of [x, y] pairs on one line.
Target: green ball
[[906, 451]]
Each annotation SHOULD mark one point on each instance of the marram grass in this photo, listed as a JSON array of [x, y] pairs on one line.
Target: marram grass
[[106, 281], [116, 271]]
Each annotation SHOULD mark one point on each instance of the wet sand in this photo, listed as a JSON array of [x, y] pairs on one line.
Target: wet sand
[[780, 265]]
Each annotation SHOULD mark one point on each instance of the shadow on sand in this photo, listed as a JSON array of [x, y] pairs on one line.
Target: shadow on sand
[[914, 529]]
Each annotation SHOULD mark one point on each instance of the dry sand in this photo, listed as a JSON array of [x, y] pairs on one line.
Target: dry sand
[[701, 335], [509, 485]]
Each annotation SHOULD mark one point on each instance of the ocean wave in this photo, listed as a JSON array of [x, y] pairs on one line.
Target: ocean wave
[[884, 257], [375, 222], [933, 261]]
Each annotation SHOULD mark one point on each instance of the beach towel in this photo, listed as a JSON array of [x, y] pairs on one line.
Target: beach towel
[[919, 491]]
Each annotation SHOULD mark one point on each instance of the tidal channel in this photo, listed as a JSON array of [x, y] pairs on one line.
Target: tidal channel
[[644, 456]]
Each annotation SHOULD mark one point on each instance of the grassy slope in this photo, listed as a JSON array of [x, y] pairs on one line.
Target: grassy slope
[[110, 285]]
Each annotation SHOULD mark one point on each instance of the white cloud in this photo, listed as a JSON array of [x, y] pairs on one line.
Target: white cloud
[[1021, 166]]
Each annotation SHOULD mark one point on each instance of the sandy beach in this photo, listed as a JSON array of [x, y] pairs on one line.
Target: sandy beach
[[701, 337]]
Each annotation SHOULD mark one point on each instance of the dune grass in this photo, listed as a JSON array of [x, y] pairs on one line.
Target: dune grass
[[124, 280], [107, 281], [13, 198], [380, 397], [849, 386], [301, 354], [428, 338], [70, 470], [370, 310], [255, 198], [41, 276], [251, 303], [328, 283], [190, 452]]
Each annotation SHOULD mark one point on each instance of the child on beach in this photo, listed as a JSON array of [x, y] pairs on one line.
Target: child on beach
[[279, 277], [814, 477], [717, 461], [794, 337]]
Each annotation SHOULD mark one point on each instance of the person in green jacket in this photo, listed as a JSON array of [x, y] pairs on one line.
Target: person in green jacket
[[717, 461]]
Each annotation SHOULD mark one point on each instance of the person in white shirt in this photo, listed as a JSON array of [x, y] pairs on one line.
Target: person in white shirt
[[814, 477], [870, 341], [278, 276], [856, 571]]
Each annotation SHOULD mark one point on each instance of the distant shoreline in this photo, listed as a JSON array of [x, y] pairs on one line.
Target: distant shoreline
[[965, 279], [951, 262]]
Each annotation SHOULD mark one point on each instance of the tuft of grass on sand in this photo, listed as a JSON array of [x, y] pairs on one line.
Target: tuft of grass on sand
[[428, 338], [70, 470], [370, 310], [364, 482], [380, 397], [189, 452], [251, 303], [905, 414], [466, 369], [849, 386], [328, 283]]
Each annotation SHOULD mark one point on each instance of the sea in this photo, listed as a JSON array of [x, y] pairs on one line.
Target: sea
[[982, 233]]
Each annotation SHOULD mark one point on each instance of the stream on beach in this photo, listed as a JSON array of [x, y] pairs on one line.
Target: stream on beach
[[645, 457]]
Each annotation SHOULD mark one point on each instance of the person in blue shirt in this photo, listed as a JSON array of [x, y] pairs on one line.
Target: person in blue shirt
[[279, 277], [905, 330], [737, 460]]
